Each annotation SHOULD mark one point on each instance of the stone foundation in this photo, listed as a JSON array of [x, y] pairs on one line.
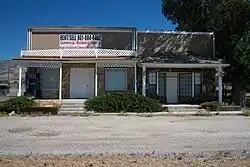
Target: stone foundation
[[101, 81], [131, 79], [65, 83]]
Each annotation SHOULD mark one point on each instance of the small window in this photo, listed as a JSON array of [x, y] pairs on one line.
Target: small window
[[115, 79], [197, 84], [152, 83]]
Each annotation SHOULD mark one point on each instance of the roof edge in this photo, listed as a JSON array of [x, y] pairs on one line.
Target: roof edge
[[78, 28], [184, 65], [109, 28], [176, 32]]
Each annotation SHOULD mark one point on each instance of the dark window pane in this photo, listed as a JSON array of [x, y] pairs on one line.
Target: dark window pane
[[197, 84], [152, 78]]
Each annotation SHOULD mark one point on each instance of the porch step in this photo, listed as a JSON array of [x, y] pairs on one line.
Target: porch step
[[72, 106], [73, 109], [73, 101], [185, 110], [70, 113], [181, 106]]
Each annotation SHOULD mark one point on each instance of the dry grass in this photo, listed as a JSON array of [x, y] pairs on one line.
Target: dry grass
[[246, 113], [117, 161], [3, 114]]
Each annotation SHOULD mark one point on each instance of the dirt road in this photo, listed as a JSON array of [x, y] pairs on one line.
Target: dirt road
[[59, 135]]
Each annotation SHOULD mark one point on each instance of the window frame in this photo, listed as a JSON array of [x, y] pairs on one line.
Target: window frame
[[180, 93], [115, 69], [152, 82], [194, 84]]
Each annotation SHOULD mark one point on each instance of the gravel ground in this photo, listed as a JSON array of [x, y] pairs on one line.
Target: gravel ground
[[61, 135]]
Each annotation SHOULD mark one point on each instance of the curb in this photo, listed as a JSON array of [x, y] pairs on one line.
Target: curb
[[114, 114], [233, 113], [214, 113]]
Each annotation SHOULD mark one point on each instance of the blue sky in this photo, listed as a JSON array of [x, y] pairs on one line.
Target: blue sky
[[17, 15]]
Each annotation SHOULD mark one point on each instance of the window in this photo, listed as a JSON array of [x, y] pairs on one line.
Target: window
[[152, 78], [152, 83], [49, 78], [185, 84], [162, 86], [116, 79], [197, 84]]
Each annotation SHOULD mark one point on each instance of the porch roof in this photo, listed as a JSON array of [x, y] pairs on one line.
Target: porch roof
[[182, 65], [24, 62]]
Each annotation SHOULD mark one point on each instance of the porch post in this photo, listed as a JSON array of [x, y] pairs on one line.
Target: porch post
[[60, 76], [60, 83], [135, 78], [219, 84], [96, 84], [144, 80], [157, 83], [20, 82]]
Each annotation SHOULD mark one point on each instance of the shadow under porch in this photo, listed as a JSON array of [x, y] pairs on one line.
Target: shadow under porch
[[76, 80], [176, 85]]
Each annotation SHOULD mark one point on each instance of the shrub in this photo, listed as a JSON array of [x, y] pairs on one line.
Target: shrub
[[122, 102], [153, 96], [246, 113], [16, 104], [212, 106]]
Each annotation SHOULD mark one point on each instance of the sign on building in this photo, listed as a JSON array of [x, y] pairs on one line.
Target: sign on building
[[80, 41]]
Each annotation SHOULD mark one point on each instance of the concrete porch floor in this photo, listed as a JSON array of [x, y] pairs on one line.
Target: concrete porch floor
[[180, 105]]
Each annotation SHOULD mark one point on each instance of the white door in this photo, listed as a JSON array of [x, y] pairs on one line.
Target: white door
[[172, 88], [81, 83]]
